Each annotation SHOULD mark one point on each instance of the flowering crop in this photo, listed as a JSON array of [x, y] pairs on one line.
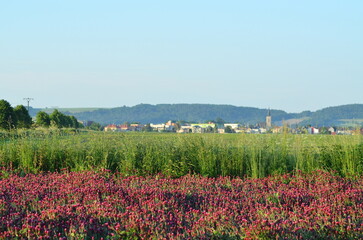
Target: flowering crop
[[96, 205]]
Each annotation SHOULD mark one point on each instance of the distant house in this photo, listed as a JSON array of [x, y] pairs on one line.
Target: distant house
[[277, 130], [312, 130], [233, 126], [136, 127], [255, 130], [197, 129], [112, 128], [124, 127], [171, 123], [221, 130], [345, 132], [332, 131], [240, 130], [203, 127], [263, 130], [185, 129], [168, 127]]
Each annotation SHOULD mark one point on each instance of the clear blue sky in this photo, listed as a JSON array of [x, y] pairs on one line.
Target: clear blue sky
[[288, 55]]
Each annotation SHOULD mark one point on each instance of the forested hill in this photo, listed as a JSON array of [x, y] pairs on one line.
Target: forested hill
[[340, 115], [146, 113]]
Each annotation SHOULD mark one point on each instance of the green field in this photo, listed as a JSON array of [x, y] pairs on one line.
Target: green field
[[176, 155]]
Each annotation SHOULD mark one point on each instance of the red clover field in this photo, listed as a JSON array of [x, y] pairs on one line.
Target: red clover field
[[66, 185]]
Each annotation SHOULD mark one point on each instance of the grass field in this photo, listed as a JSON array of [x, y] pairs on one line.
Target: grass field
[[177, 154]]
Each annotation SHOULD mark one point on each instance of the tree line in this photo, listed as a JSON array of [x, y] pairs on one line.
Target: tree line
[[18, 117]]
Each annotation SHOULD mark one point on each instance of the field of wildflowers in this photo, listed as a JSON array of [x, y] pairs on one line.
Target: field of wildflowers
[[101, 204], [74, 185]]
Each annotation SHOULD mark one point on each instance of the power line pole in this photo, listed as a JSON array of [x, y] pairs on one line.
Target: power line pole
[[28, 100]]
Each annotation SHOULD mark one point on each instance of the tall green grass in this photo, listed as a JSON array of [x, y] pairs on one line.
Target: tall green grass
[[179, 154]]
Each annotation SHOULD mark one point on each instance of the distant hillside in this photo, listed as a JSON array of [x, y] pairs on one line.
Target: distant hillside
[[146, 113], [70, 110], [335, 116]]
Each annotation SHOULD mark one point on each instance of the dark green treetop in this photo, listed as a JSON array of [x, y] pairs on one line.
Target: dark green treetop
[[42, 119], [23, 119], [7, 116]]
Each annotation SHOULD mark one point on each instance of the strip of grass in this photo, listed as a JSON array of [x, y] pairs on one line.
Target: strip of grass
[[177, 155]]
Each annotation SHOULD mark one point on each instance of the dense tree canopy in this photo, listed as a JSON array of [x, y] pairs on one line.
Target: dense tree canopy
[[60, 120], [7, 116], [228, 129], [42, 119], [145, 113], [95, 126], [23, 119], [19, 118]]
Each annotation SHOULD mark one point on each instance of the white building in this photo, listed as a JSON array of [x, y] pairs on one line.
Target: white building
[[185, 129], [162, 127], [312, 130], [233, 126]]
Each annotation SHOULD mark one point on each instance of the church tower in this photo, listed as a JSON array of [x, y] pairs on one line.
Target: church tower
[[268, 119]]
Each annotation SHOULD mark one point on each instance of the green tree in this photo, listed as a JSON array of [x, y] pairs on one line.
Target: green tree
[[23, 119], [42, 119], [75, 123], [228, 129], [209, 129], [324, 130], [7, 116], [67, 121], [58, 119]]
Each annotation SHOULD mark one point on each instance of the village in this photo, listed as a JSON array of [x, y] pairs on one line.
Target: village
[[212, 127]]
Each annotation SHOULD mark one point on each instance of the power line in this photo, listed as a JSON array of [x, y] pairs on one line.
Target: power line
[[28, 100]]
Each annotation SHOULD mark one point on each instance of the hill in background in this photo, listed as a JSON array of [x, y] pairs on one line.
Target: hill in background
[[146, 113]]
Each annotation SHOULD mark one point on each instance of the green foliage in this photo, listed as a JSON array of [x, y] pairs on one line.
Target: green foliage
[[42, 119], [56, 119], [333, 116], [74, 122], [95, 126], [146, 113], [7, 116], [23, 119], [176, 155], [60, 120], [228, 129]]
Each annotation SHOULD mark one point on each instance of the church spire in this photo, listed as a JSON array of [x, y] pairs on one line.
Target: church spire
[[268, 119]]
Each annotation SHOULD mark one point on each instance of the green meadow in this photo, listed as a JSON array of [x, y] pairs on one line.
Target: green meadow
[[175, 155]]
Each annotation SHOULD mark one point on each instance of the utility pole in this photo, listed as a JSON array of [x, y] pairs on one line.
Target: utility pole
[[28, 100]]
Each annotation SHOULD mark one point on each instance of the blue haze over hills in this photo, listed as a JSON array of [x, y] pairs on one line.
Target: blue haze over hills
[[146, 113]]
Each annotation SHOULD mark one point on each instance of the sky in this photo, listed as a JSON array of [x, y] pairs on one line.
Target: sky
[[287, 55]]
